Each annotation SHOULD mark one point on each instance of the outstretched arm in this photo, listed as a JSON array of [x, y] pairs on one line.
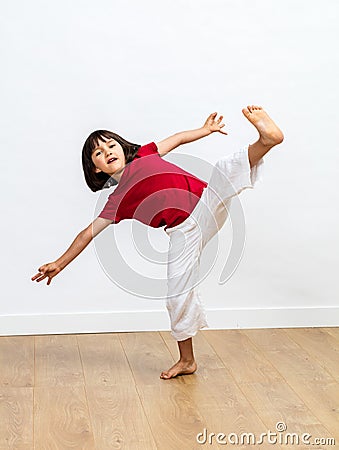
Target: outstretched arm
[[211, 125], [52, 269]]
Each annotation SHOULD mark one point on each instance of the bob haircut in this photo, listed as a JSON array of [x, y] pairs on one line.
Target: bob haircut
[[101, 180]]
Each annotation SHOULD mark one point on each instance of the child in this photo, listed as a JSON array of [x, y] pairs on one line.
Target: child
[[158, 193]]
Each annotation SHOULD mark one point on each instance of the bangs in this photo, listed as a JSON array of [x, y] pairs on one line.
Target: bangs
[[94, 138]]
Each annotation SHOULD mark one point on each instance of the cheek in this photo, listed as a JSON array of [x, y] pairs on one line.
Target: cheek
[[96, 161], [122, 155]]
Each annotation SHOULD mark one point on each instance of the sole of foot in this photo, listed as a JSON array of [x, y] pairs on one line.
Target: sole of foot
[[270, 133], [180, 368]]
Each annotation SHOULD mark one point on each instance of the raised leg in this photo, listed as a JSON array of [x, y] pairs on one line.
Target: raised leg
[[269, 133], [269, 136]]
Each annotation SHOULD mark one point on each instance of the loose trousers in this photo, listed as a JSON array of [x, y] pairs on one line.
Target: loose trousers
[[230, 175]]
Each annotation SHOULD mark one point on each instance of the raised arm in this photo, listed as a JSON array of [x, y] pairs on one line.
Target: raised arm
[[81, 241], [211, 125]]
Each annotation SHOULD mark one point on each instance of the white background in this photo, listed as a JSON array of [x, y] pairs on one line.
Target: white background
[[147, 70]]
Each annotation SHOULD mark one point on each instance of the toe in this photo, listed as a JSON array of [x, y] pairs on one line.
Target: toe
[[164, 375], [246, 112]]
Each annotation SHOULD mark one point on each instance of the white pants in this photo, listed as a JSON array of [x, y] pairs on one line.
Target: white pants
[[230, 176]]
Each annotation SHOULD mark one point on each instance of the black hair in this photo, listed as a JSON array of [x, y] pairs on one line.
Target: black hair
[[101, 180]]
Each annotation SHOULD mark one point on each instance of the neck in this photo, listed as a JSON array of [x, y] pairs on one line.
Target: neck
[[118, 174]]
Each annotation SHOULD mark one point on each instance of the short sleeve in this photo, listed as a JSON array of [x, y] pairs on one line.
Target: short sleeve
[[110, 209], [148, 149]]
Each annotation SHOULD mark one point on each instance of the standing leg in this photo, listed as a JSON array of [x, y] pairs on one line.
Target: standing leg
[[183, 302], [269, 134]]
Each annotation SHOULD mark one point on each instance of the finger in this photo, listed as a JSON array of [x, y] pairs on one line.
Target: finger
[[42, 277], [41, 272], [35, 276], [220, 119], [222, 132], [49, 281]]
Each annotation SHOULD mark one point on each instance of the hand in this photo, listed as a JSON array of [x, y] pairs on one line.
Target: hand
[[47, 270], [213, 125]]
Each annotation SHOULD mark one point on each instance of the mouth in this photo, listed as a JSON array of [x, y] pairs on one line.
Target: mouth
[[111, 160]]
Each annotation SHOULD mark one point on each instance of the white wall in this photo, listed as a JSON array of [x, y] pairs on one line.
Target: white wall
[[147, 70]]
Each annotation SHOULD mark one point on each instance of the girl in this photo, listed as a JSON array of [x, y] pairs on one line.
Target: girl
[[158, 194]]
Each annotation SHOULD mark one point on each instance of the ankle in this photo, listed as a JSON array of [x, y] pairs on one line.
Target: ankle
[[267, 144], [187, 360]]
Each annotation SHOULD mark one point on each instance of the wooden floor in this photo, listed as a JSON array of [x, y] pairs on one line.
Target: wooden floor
[[103, 391]]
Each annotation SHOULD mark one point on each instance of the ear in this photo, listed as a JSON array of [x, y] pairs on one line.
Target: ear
[[96, 170]]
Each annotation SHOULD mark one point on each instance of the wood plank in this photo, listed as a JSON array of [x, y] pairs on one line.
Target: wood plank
[[333, 331], [317, 389], [61, 419], [57, 361], [118, 418], [321, 345], [174, 417], [323, 399], [255, 374], [277, 402], [241, 357], [16, 418], [226, 410], [17, 361], [290, 353], [103, 359], [147, 356]]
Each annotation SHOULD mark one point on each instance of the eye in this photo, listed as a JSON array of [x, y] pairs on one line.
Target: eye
[[113, 145]]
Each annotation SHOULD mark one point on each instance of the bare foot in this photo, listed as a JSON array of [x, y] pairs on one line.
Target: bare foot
[[180, 368], [270, 134]]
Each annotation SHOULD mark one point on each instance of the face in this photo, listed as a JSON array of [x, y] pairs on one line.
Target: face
[[109, 157]]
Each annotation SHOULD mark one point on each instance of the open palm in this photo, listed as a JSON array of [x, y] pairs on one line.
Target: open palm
[[213, 124]]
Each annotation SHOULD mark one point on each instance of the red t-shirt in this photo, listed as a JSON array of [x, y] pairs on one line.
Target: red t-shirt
[[153, 191]]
